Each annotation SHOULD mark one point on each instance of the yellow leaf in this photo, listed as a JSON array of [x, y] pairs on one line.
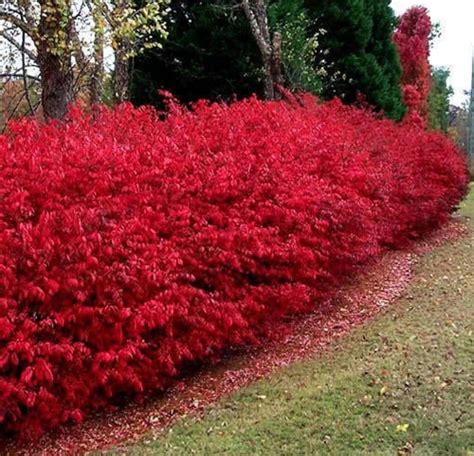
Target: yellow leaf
[[402, 427]]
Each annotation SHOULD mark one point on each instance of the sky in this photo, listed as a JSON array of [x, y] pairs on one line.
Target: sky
[[454, 48]]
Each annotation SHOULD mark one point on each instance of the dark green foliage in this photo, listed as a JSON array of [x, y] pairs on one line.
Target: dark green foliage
[[356, 53], [338, 47], [210, 53], [439, 100]]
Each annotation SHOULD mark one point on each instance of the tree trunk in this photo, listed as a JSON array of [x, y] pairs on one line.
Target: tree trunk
[[96, 84], [272, 69], [57, 86], [256, 13], [275, 70], [121, 72], [269, 86], [54, 57], [97, 77]]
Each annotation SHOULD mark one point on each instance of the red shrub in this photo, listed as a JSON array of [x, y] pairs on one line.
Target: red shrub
[[131, 246], [412, 38]]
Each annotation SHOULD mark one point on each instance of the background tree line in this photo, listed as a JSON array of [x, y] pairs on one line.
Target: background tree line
[[55, 51]]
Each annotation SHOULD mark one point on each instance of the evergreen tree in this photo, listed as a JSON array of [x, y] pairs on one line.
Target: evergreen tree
[[210, 53], [356, 55]]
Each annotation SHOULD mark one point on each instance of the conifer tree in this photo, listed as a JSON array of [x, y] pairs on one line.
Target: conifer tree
[[356, 55]]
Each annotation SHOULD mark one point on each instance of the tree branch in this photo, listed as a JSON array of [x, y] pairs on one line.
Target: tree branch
[[18, 75], [261, 9], [24, 75], [17, 22], [17, 45], [263, 45]]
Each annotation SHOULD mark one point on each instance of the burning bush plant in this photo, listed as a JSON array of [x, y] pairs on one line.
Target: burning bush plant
[[131, 246]]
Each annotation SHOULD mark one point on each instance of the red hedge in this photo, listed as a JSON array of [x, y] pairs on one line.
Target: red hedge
[[131, 246]]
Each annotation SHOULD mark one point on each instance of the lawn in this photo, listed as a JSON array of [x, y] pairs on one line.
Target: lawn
[[401, 384]]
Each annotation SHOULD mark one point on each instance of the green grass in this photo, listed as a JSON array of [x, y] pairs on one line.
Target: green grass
[[402, 384], [467, 206]]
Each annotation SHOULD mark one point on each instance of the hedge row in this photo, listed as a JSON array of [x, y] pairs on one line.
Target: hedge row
[[132, 246]]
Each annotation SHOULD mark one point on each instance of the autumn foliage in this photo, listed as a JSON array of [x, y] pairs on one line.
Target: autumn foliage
[[132, 246], [412, 39]]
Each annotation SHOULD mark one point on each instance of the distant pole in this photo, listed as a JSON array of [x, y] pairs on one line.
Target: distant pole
[[470, 137]]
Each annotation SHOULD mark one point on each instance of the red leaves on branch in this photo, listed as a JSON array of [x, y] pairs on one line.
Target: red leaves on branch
[[412, 39], [131, 246]]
